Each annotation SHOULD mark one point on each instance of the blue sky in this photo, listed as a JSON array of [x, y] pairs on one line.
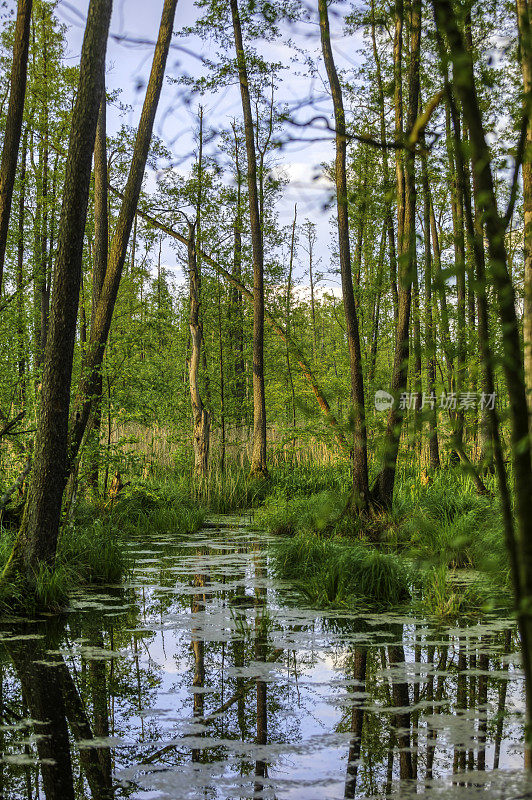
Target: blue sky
[[128, 64]]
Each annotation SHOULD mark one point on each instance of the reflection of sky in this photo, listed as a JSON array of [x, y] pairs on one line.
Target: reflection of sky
[[308, 700], [128, 65]]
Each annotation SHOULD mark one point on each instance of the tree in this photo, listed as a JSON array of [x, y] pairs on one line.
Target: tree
[[258, 461], [13, 126], [360, 496], [37, 538]]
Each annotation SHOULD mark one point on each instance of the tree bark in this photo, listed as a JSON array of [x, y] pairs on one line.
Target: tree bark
[[258, 459], [13, 124], [382, 494], [520, 546], [430, 345], [525, 48], [360, 495], [201, 416], [91, 369], [101, 250]]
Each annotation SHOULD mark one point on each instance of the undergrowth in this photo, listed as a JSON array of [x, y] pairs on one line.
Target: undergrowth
[[439, 528], [92, 546]]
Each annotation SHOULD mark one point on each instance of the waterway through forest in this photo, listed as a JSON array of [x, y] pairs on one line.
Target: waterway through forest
[[204, 676]]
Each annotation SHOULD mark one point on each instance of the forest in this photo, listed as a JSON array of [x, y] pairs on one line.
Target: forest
[[265, 399]]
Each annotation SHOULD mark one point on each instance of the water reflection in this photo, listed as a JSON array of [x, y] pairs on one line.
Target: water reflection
[[202, 678]]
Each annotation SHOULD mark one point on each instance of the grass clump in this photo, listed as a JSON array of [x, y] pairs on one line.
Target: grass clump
[[284, 515], [341, 573], [445, 596]]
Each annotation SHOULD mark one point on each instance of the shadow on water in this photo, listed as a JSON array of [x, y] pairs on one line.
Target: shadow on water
[[203, 677]]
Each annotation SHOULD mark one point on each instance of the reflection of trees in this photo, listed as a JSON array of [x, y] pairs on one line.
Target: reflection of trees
[[55, 705], [198, 648], [357, 720]]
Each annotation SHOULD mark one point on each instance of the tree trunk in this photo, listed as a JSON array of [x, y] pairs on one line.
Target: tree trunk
[[37, 539], [360, 496], [406, 226], [13, 124], [525, 47], [258, 459], [199, 412], [520, 546], [101, 248], [430, 345], [118, 250], [21, 326]]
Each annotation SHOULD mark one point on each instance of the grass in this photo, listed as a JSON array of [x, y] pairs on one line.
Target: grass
[[332, 572], [92, 547], [439, 528]]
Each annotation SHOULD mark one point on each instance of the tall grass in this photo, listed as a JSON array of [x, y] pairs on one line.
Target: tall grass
[[339, 573]]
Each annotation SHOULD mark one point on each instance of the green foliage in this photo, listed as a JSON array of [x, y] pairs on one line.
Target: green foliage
[[340, 573], [445, 597], [447, 523], [282, 514]]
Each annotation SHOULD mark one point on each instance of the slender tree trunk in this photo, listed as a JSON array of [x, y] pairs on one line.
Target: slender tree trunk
[[101, 251], [312, 289], [13, 124], [236, 313], [406, 224], [258, 459], [37, 539], [376, 315], [430, 345], [222, 380], [360, 497], [200, 414], [118, 250], [385, 166], [21, 325], [288, 312], [457, 204]]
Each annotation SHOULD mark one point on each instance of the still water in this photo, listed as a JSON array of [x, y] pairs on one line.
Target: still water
[[204, 677]]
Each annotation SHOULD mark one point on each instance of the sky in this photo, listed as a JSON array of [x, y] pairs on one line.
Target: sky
[[133, 31]]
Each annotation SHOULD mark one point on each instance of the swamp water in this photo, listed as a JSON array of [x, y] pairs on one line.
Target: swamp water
[[204, 677]]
